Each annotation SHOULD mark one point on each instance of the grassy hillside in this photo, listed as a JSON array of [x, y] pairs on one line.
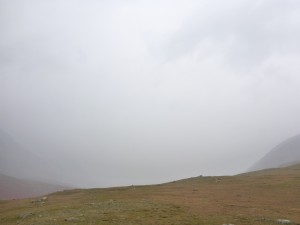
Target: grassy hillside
[[252, 198]]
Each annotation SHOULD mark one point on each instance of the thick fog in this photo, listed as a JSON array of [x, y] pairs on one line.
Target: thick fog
[[139, 92]]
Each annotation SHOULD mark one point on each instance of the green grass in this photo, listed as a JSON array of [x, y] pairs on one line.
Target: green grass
[[253, 198]]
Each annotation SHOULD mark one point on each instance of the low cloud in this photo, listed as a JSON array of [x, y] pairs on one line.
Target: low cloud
[[124, 92]]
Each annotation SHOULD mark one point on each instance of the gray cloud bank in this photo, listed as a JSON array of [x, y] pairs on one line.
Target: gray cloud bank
[[134, 92]]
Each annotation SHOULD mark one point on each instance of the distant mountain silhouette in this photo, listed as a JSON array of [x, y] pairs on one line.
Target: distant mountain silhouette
[[13, 188], [18, 162], [285, 154]]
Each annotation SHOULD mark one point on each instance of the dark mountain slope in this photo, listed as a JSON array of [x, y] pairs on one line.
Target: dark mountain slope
[[284, 154], [12, 188], [15, 161]]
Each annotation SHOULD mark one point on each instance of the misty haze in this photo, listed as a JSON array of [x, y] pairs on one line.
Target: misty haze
[[150, 112], [98, 94]]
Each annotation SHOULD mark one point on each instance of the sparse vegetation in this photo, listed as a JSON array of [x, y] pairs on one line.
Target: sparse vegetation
[[254, 198]]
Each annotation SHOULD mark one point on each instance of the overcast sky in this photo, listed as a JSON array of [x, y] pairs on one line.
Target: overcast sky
[[138, 92]]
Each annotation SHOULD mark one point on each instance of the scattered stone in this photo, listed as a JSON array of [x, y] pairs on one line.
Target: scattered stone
[[260, 218], [91, 204], [283, 221], [72, 219], [41, 200], [111, 201], [25, 215], [218, 180]]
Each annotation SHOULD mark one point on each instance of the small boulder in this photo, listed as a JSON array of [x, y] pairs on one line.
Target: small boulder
[[41, 200], [283, 221], [25, 215], [72, 219]]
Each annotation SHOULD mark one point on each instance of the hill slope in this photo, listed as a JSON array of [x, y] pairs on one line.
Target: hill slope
[[11, 188], [16, 161], [284, 154], [253, 198]]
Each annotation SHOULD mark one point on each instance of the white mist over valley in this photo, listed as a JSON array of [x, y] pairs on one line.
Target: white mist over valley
[[112, 93]]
